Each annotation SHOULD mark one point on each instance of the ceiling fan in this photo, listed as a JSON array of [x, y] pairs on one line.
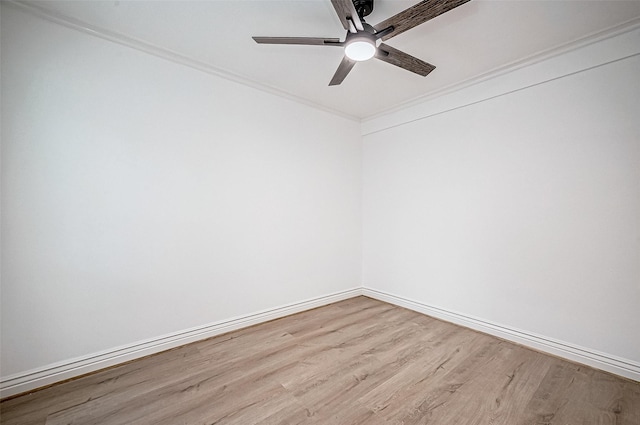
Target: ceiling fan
[[362, 41]]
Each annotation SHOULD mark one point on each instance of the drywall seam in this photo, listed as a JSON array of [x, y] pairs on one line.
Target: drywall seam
[[167, 54], [47, 375], [603, 361]]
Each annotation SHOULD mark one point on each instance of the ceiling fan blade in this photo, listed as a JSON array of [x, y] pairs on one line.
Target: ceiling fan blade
[[403, 60], [347, 11], [416, 15], [309, 41], [343, 69]]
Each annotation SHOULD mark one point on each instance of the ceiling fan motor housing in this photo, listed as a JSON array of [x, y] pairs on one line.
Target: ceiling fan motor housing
[[363, 7]]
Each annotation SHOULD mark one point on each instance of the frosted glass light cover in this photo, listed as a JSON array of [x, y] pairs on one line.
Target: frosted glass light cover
[[360, 50]]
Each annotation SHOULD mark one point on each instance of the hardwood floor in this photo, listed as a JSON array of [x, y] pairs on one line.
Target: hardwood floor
[[359, 361]]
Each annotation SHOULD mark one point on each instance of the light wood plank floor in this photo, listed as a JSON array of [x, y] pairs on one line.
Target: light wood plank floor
[[359, 361]]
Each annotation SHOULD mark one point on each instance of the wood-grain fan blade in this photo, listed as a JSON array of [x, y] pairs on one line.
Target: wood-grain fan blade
[[347, 11], [403, 60], [416, 15], [309, 41], [343, 69]]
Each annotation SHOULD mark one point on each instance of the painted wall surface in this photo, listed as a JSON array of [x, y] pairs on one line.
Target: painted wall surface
[[141, 197], [522, 209]]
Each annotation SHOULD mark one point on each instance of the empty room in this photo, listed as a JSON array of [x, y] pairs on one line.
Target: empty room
[[320, 212]]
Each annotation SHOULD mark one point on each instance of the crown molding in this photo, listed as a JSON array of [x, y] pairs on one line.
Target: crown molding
[[161, 52], [167, 54], [562, 49]]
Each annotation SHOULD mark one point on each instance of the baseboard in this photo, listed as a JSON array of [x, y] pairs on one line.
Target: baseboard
[[45, 376], [619, 366]]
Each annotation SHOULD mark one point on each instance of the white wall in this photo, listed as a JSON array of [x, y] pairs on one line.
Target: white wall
[[141, 197], [520, 210]]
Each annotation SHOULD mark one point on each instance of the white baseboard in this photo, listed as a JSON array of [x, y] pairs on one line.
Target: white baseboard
[[619, 366], [44, 376], [37, 378]]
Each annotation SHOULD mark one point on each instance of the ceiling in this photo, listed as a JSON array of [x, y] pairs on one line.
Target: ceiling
[[466, 43]]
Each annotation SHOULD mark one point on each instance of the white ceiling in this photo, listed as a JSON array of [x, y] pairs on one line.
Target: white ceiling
[[468, 42]]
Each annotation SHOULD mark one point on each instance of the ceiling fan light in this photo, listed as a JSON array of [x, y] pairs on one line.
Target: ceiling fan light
[[360, 49]]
